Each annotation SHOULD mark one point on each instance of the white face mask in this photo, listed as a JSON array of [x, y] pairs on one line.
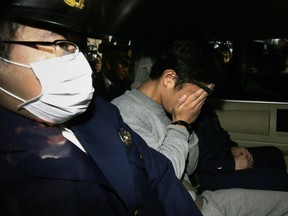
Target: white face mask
[[66, 88]]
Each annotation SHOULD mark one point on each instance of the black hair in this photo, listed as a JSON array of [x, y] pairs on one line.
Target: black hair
[[191, 58], [8, 31]]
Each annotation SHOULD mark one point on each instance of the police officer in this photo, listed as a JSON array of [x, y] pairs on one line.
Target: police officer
[[62, 151]]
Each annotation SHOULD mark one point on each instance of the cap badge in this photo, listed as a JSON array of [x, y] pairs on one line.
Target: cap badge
[[75, 3], [129, 53]]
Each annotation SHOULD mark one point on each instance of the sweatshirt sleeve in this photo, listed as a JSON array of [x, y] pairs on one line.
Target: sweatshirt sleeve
[[174, 144], [193, 154], [158, 132]]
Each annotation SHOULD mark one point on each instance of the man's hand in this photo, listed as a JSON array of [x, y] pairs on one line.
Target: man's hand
[[243, 158], [238, 151], [188, 107], [241, 162]]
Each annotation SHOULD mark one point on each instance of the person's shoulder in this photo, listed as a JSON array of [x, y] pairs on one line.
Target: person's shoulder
[[123, 99], [130, 105], [103, 106]]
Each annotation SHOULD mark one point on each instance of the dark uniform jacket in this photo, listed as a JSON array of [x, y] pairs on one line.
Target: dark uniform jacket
[[216, 164], [214, 143], [42, 173]]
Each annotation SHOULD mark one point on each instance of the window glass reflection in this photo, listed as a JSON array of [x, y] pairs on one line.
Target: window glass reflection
[[252, 70]]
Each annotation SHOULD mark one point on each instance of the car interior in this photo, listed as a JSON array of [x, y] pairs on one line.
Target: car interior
[[253, 103]]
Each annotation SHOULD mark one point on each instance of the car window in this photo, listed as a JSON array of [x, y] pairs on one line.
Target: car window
[[252, 70]]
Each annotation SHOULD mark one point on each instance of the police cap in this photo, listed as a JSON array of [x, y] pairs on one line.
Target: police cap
[[68, 14]]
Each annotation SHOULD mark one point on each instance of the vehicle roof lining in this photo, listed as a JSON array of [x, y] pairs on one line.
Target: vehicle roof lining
[[225, 19]]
